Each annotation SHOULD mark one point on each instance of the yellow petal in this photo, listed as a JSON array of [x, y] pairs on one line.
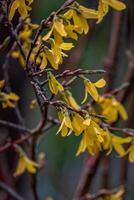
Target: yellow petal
[[66, 46], [51, 59], [2, 83], [119, 149], [77, 124], [85, 25], [58, 25], [122, 112], [91, 90], [100, 83], [68, 121], [68, 14], [85, 97], [110, 113], [62, 123], [82, 147], [89, 13], [43, 62], [48, 35], [87, 122], [131, 153], [78, 22], [116, 4], [13, 8], [71, 101], [20, 167]]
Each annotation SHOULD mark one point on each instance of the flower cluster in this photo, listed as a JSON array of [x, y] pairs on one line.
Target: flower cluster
[[50, 48]]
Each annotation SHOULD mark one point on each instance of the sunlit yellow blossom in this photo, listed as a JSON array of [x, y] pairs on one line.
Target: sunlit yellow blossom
[[104, 7], [54, 85], [24, 164], [92, 139], [111, 108], [69, 99], [66, 125], [91, 89], [22, 6]]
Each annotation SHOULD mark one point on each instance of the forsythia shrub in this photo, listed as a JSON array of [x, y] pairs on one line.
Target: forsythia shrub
[[43, 55]]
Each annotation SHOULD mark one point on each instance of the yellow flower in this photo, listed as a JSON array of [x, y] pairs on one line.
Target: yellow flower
[[80, 14], [92, 138], [66, 125], [57, 50], [91, 89], [25, 164], [111, 108], [71, 31], [8, 100], [117, 143], [69, 99], [54, 85], [55, 54], [59, 26], [23, 7], [104, 7], [57, 29]]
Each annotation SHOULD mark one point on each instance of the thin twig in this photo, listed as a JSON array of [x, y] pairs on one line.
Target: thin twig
[[10, 191], [101, 193], [76, 73]]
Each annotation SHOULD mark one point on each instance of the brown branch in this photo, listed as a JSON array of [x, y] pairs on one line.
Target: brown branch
[[101, 193], [110, 65], [14, 126], [88, 173], [110, 62], [10, 191], [8, 87], [76, 73]]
